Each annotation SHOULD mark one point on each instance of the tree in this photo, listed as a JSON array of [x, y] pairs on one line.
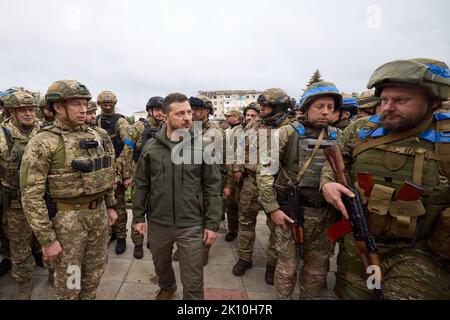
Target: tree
[[316, 77]]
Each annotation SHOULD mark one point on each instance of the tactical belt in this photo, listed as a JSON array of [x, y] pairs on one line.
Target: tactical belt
[[61, 206]]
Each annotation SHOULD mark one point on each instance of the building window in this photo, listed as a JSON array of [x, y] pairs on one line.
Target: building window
[[247, 97], [215, 103], [227, 97]]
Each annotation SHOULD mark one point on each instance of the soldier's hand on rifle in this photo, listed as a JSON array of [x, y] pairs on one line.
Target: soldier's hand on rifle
[[333, 192], [112, 216], [226, 192], [237, 176], [140, 228], [281, 219], [209, 237], [51, 251]]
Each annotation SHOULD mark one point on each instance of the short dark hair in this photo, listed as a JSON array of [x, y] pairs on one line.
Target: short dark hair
[[171, 98]]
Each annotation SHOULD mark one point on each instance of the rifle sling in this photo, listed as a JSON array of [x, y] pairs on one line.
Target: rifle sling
[[306, 165], [363, 146]]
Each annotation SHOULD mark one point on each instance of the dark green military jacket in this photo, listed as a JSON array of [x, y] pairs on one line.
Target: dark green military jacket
[[181, 194]]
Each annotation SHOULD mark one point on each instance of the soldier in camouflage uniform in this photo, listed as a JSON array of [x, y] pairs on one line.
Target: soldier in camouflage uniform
[[91, 114], [5, 264], [299, 165], [145, 130], [2, 110], [72, 166], [250, 112], [48, 117], [344, 116], [274, 104], [122, 137], [230, 187], [368, 104], [16, 133], [407, 141]]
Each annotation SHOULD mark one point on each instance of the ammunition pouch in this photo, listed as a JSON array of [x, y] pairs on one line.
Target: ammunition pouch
[[90, 176], [398, 218], [439, 241]]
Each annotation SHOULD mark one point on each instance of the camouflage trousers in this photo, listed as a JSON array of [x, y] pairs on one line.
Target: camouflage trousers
[[4, 241], [317, 250], [120, 227], [83, 235], [249, 208], [136, 237], [20, 240], [409, 273], [231, 208]]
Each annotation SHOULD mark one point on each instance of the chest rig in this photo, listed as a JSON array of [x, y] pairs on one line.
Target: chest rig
[[88, 166], [420, 155], [304, 155]]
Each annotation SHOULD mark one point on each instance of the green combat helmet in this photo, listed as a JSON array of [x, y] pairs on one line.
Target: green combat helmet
[[317, 90], [368, 100], [208, 104], [92, 106], [277, 98], [20, 99], [66, 89], [433, 75], [251, 106]]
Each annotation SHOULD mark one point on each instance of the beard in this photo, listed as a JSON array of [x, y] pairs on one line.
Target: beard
[[397, 123]]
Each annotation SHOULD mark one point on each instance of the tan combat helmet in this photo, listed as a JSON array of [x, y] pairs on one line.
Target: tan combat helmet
[[432, 75], [20, 99], [66, 89], [106, 97], [234, 112]]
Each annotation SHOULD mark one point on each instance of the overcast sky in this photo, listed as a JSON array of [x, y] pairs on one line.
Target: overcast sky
[[141, 48]]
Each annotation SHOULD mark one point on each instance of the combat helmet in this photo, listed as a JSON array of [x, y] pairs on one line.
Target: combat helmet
[[317, 90], [20, 99], [432, 75], [277, 98], [66, 89], [154, 102]]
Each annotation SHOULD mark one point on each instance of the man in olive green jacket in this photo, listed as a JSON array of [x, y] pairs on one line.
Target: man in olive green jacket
[[181, 200]]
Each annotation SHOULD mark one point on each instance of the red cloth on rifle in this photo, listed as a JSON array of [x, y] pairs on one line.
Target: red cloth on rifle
[[339, 230]]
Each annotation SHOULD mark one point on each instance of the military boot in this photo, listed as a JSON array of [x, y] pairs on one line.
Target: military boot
[[165, 294], [241, 266], [270, 274], [25, 290], [5, 266], [138, 251], [121, 246]]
